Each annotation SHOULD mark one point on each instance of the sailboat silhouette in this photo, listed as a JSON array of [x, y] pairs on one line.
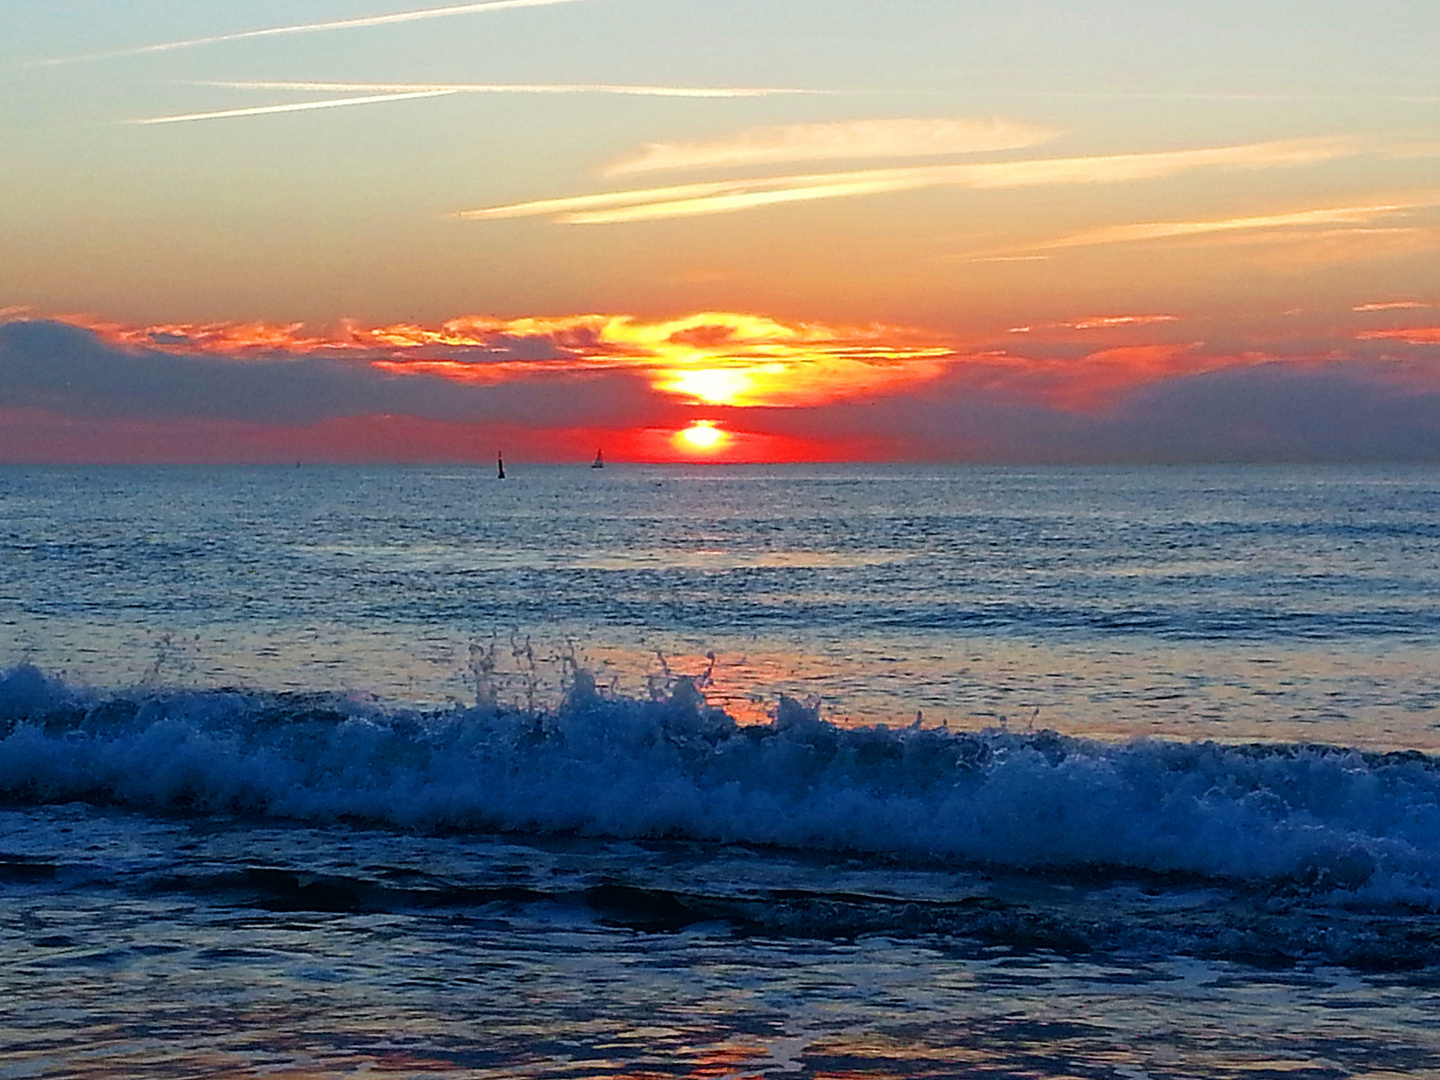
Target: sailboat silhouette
[[599, 462]]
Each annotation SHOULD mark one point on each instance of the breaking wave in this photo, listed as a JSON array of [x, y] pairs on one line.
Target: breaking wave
[[1358, 827]]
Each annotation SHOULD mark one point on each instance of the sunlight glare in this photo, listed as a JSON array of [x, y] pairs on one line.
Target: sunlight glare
[[714, 386], [701, 437]]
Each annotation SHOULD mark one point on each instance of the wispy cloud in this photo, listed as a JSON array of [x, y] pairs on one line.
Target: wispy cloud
[[1103, 95], [1165, 230], [850, 139], [1099, 322], [1356, 217], [1393, 305], [1411, 335], [301, 106], [311, 28], [373, 93], [722, 196], [517, 88], [1014, 258]]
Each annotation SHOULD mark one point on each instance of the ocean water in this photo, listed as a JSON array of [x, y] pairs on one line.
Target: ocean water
[[662, 771]]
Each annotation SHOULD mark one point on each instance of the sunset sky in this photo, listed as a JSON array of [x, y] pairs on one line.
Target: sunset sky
[[377, 230]]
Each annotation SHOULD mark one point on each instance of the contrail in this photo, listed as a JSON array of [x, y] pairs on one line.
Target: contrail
[[265, 110], [312, 28], [723, 196], [1103, 95], [516, 88]]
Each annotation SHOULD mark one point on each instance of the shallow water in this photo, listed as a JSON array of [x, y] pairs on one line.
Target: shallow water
[[213, 947]]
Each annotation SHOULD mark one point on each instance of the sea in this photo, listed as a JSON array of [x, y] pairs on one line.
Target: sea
[[703, 771]]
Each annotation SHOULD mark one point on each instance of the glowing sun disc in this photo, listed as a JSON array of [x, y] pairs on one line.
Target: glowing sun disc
[[701, 436]]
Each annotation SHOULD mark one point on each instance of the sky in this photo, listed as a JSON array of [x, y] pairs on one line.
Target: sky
[[688, 230]]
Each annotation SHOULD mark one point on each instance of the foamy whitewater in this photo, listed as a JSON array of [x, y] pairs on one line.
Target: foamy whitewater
[[720, 772]]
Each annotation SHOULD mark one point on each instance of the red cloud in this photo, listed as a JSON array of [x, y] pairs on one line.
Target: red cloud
[[554, 388]]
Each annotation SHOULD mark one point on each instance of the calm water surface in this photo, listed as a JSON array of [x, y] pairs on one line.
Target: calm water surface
[[1232, 603], [323, 772]]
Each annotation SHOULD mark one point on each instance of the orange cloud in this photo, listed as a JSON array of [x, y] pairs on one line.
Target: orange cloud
[[720, 358], [707, 359], [1108, 373], [1392, 305], [712, 358], [1411, 335], [738, 361], [1098, 322], [1096, 380], [553, 389]]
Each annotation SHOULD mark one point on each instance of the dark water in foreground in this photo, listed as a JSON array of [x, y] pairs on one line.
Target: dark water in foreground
[[321, 772]]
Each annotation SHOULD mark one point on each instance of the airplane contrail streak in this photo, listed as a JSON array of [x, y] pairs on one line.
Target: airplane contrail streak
[[302, 106], [518, 88], [723, 196], [312, 28]]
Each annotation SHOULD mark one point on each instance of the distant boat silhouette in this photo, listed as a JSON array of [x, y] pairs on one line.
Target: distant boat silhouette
[[500, 465], [599, 462]]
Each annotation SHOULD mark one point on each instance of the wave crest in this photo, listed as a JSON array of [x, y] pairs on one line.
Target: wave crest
[[1362, 826]]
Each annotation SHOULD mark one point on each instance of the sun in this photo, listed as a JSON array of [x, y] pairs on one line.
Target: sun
[[701, 437]]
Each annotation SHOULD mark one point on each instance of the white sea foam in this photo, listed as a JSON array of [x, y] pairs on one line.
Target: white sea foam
[[1356, 826]]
